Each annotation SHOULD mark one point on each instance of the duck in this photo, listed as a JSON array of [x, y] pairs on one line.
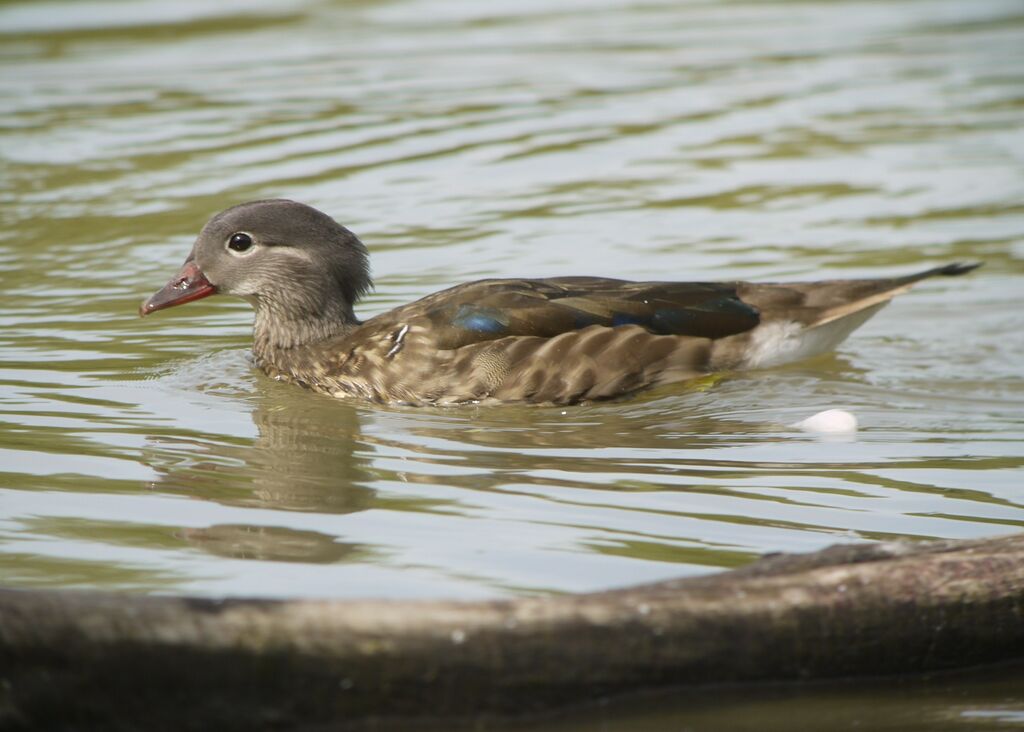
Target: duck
[[557, 341]]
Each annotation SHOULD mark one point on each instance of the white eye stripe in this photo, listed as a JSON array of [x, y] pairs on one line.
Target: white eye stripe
[[297, 252]]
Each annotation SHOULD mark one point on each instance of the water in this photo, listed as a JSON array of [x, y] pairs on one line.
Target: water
[[630, 138], [981, 701]]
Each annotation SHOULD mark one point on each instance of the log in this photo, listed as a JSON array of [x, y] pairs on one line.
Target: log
[[80, 660]]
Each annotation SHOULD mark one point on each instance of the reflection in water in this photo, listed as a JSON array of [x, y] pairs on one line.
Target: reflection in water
[[685, 479], [297, 462], [462, 140], [274, 544], [981, 699]]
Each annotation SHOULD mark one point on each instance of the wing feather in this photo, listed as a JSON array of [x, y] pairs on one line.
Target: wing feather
[[491, 309]]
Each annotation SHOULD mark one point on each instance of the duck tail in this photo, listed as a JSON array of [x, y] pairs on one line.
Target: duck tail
[[886, 290], [953, 269]]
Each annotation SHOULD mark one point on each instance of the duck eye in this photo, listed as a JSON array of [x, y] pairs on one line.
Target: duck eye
[[240, 242]]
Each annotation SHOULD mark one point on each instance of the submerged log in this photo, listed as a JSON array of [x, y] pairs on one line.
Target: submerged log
[[115, 661]]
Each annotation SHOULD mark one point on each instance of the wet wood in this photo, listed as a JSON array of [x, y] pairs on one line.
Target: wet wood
[[113, 661]]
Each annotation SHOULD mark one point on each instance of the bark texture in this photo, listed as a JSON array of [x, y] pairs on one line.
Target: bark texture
[[90, 660]]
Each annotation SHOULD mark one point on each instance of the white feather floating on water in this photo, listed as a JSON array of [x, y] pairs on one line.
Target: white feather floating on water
[[831, 421]]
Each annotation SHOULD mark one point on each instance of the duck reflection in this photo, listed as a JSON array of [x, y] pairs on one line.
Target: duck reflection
[[273, 543], [319, 455], [300, 460]]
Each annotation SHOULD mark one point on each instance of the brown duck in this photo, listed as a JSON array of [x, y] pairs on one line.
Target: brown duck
[[562, 340]]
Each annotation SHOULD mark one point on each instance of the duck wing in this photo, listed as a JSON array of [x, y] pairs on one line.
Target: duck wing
[[492, 309]]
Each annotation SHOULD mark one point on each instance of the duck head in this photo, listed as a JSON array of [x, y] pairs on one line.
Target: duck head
[[301, 270]]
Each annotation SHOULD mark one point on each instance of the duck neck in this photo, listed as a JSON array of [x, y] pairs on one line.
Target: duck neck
[[280, 331]]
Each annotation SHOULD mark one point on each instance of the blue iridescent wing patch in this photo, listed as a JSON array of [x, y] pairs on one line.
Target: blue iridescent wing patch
[[481, 319]]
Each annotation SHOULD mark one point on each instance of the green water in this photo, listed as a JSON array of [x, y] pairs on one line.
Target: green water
[[631, 138]]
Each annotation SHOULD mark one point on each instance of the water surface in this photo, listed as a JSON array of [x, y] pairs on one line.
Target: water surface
[[631, 138]]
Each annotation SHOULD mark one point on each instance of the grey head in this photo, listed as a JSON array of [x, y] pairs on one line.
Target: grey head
[[301, 270]]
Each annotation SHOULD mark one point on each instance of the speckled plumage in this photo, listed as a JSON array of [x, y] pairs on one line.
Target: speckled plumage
[[562, 340]]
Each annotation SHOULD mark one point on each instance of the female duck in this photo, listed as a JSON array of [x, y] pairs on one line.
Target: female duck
[[562, 340]]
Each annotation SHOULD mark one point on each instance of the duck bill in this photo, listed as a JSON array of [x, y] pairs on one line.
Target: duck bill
[[188, 285]]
